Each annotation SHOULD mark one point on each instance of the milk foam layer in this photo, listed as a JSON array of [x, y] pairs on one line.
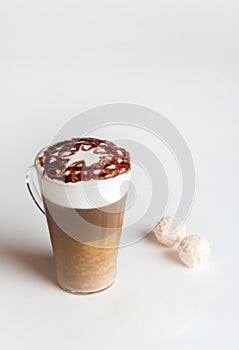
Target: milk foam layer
[[84, 194]]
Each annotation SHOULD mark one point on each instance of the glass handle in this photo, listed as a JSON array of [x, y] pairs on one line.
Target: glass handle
[[33, 189]]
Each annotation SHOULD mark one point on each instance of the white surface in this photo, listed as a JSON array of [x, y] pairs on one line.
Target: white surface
[[179, 57]]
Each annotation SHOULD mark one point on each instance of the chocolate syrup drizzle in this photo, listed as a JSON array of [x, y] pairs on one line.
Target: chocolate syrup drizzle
[[113, 160]]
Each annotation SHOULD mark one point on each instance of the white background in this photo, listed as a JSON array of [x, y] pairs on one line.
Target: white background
[[59, 58]]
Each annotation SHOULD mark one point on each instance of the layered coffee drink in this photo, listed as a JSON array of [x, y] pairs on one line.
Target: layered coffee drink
[[84, 184]]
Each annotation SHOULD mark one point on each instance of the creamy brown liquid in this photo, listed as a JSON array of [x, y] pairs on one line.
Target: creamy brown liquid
[[85, 250]]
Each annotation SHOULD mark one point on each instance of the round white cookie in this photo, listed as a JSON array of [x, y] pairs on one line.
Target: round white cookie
[[193, 250], [165, 234]]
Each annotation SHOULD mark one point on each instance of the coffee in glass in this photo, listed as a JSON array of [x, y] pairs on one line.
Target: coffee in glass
[[83, 184]]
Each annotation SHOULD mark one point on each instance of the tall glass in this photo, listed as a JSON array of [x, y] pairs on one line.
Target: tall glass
[[85, 221]]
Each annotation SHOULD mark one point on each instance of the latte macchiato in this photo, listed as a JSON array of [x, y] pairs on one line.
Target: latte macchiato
[[84, 184]]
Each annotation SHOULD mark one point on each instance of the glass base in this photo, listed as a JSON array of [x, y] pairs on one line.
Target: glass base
[[71, 291]]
